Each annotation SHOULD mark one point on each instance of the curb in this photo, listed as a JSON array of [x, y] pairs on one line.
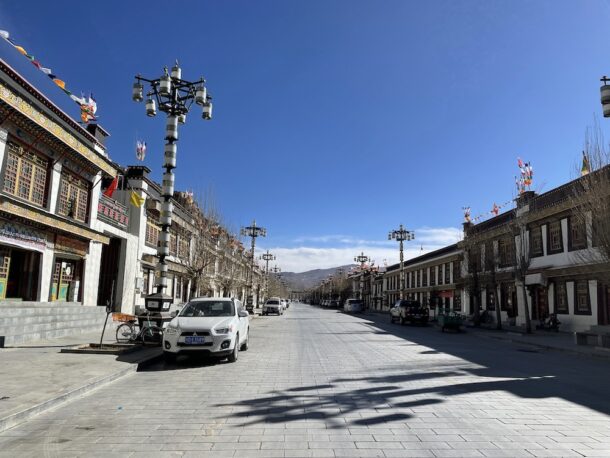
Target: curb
[[15, 419]]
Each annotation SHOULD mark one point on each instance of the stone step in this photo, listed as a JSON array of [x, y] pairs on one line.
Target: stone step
[[48, 317], [14, 340], [43, 327], [6, 311], [600, 329], [24, 322]]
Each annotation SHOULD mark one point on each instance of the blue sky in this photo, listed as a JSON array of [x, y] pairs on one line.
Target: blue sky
[[335, 120]]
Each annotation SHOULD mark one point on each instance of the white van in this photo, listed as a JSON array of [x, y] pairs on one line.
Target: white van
[[273, 305], [353, 306]]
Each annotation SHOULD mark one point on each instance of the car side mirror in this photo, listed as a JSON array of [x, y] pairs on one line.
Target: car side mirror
[[243, 314], [174, 314]]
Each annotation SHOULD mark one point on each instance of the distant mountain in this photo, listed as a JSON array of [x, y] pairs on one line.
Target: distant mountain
[[306, 280]]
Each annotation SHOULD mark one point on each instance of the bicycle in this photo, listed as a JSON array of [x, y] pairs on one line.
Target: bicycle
[[130, 331]]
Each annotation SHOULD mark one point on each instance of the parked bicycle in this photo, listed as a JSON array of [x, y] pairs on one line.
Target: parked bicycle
[[131, 331]]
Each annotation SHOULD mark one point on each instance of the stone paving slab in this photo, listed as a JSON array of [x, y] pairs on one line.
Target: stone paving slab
[[35, 377], [317, 383]]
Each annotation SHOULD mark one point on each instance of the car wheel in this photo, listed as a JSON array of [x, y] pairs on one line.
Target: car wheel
[[246, 344], [233, 356], [169, 357], [402, 320]]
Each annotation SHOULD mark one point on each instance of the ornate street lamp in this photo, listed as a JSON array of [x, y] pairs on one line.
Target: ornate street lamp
[[173, 96], [401, 235], [253, 232], [267, 257], [362, 259]]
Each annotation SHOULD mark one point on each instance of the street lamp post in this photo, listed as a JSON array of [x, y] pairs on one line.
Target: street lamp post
[[267, 257], [252, 232], [362, 259], [174, 97], [401, 235]]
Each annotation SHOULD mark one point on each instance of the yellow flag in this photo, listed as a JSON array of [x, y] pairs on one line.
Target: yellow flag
[[60, 83], [136, 200], [21, 50]]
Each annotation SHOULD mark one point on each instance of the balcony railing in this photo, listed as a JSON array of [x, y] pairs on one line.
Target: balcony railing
[[112, 212]]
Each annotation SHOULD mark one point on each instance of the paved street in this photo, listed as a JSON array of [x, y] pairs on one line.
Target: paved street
[[318, 383]]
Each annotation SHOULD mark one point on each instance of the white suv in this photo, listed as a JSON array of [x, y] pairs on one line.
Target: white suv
[[214, 326], [273, 305]]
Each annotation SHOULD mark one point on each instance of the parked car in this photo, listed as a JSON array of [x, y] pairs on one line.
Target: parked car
[[334, 304], [409, 311], [353, 306], [273, 305], [217, 327]]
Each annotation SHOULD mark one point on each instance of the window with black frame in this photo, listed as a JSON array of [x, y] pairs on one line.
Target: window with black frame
[[536, 241], [582, 301], [554, 237], [561, 298], [578, 234]]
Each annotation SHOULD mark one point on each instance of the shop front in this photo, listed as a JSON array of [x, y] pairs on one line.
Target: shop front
[[68, 267], [21, 249]]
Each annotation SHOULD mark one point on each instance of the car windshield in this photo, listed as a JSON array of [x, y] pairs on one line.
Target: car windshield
[[357, 301], [272, 302], [208, 308], [410, 304]]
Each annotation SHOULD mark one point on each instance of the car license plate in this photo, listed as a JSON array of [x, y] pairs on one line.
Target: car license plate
[[194, 340]]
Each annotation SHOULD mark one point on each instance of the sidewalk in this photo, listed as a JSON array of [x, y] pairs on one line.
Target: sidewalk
[[557, 341], [36, 377]]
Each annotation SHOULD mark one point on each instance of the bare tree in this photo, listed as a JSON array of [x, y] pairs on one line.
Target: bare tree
[[231, 263], [521, 255], [491, 268], [591, 200], [203, 255], [471, 245]]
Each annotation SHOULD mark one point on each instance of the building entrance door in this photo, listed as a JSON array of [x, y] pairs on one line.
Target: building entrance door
[[65, 283], [542, 304], [22, 278], [109, 270], [5, 263]]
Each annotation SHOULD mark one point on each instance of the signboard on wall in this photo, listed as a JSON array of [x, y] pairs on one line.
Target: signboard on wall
[[71, 245], [22, 236]]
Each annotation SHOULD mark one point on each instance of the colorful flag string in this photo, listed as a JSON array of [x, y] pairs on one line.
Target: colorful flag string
[[495, 210], [88, 107]]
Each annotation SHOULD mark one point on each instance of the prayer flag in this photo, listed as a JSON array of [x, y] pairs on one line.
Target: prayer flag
[[110, 190], [140, 150], [586, 167], [136, 200], [59, 82]]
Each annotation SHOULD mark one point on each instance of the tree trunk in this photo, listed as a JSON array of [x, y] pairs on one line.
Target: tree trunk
[[528, 321], [476, 317], [498, 311]]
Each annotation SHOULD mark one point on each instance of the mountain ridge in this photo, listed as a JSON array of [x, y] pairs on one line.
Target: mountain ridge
[[306, 280]]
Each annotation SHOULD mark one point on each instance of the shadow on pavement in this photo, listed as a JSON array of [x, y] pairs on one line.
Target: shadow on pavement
[[181, 363], [498, 366]]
